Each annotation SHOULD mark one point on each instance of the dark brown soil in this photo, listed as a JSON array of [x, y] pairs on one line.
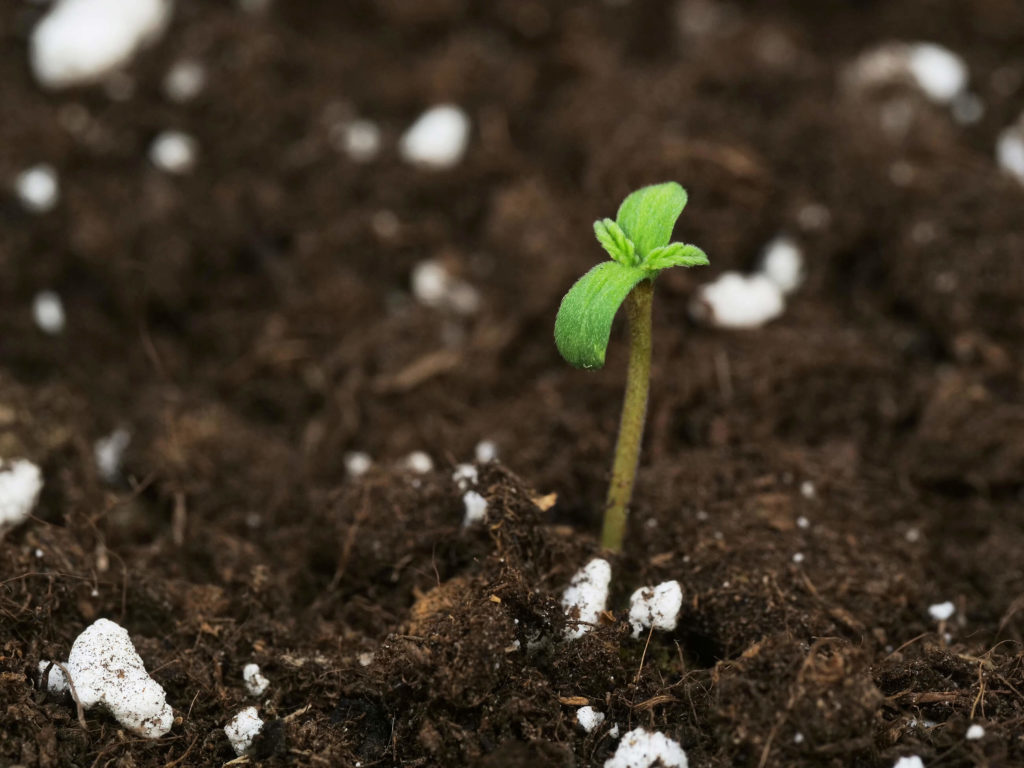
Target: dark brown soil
[[252, 322]]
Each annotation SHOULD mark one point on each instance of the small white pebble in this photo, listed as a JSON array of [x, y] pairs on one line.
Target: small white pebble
[[433, 286], [798, 557], [107, 671], [783, 264], [243, 728], [909, 762], [975, 732], [38, 553], [803, 522], [798, 738], [939, 72], [942, 611], [589, 718], [255, 682], [419, 462], [357, 463], [38, 188], [641, 748], [464, 476], [738, 301], [56, 683], [359, 139], [656, 607], [429, 283], [807, 489], [586, 596], [109, 453], [20, 485], [184, 81], [48, 312], [486, 451], [437, 139], [173, 152], [1010, 150], [476, 509], [79, 42]]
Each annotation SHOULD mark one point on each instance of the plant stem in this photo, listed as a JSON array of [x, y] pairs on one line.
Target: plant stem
[[634, 412]]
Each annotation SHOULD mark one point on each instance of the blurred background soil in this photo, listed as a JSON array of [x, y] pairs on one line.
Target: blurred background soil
[[815, 485]]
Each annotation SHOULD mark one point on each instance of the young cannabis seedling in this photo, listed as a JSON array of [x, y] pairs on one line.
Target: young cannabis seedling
[[638, 243]]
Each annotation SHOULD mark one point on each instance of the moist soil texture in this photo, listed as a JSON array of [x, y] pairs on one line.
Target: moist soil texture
[[815, 485]]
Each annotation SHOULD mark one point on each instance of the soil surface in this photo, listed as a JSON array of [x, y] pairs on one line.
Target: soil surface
[[815, 485]]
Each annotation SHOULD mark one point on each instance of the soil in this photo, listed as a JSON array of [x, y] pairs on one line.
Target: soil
[[814, 485]]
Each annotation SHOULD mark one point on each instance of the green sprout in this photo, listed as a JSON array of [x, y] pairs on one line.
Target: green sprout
[[638, 243]]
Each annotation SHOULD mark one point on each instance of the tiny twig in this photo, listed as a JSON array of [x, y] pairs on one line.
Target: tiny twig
[[74, 693], [643, 656]]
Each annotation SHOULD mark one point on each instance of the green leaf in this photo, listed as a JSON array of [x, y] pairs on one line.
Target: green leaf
[[675, 255], [648, 215], [614, 240], [584, 320]]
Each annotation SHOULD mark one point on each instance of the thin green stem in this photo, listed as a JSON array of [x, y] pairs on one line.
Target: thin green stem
[[634, 412]]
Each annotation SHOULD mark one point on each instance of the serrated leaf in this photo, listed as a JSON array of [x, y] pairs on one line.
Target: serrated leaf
[[614, 240], [675, 255], [648, 215], [584, 320]]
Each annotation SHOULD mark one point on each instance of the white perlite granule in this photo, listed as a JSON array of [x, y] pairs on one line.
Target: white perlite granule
[[464, 476], [938, 73], [589, 718], [419, 462], [20, 485], [255, 682], [56, 683], [783, 264], [656, 607], [486, 451], [38, 188], [243, 728], [79, 42], [437, 139], [107, 671], [942, 611], [184, 81], [48, 312], [641, 748], [173, 152], [476, 509], [1010, 150], [109, 453], [433, 286], [738, 301], [357, 463], [909, 762], [359, 139], [975, 732], [585, 597]]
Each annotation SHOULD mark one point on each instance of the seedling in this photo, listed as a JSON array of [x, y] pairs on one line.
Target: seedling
[[638, 243]]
